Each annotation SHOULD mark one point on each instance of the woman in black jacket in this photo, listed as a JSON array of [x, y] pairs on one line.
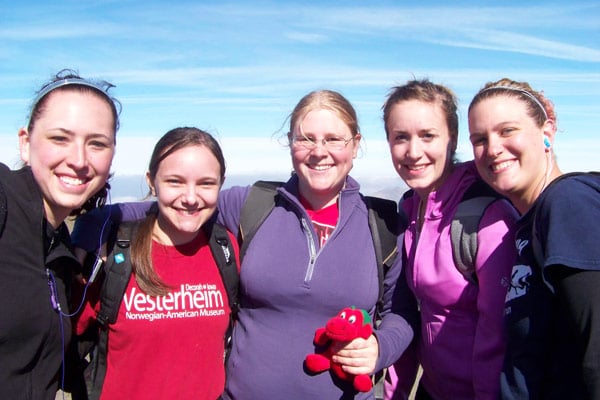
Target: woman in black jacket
[[67, 150]]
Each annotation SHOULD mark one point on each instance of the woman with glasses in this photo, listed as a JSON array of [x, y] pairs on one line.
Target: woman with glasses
[[311, 257]]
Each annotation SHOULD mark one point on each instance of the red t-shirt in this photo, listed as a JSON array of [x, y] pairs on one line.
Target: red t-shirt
[[171, 347], [324, 220]]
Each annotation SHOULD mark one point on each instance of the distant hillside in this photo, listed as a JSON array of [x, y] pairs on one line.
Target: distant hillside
[[133, 187]]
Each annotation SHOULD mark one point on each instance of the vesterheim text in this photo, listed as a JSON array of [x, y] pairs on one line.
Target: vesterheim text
[[189, 301]]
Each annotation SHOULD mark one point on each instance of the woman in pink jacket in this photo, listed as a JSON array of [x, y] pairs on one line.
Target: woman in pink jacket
[[461, 343]]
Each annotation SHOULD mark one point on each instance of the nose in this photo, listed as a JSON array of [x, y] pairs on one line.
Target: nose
[[77, 157], [414, 150], [190, 196], [494, 146], [319, 147]]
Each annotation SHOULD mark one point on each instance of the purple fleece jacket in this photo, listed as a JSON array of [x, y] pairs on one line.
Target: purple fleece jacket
[[290, 286]]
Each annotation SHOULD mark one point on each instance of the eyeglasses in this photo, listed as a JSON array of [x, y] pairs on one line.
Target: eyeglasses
[[332, 143]]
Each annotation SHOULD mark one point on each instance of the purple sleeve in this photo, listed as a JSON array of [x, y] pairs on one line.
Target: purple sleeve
[[93, 228], [400, 312], [230, 207]]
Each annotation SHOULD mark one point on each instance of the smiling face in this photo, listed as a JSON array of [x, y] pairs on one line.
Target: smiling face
[[420, 144], [186, 185], [322, 171], [508, 147], [69, 150]]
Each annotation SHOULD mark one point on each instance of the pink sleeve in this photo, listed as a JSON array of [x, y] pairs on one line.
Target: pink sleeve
[[495, 259], [402, 375]]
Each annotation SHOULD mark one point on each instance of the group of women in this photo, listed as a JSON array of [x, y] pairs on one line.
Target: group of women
[[523, 327]]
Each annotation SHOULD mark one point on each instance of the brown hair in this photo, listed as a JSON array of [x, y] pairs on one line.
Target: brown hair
[[428, 92], [69, 80], [141, 245], [538, 106]]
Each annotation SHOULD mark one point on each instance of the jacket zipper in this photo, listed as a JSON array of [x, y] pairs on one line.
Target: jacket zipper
[[312, 251]]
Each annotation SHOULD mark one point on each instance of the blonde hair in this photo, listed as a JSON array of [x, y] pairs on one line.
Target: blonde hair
[[325, 100]]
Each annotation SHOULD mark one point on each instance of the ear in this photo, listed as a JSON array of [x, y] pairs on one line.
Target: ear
[[356, 141], [548, 132], [24, 144], [150, 184], [453, 144]]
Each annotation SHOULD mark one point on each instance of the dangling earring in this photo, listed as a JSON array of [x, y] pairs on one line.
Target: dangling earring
[[547, 143]]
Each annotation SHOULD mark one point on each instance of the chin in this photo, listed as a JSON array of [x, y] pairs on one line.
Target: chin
[[500, 187], [72, 203]]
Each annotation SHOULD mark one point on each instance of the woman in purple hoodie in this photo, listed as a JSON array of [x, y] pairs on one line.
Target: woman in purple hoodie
[[461, 343]]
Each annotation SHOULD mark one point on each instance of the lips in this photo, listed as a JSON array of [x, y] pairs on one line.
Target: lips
[[321, 167], [500, 166], [72, 181], [188, 212], [415, 167]]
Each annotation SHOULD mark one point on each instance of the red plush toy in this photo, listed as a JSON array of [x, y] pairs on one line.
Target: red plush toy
[[349, 324]]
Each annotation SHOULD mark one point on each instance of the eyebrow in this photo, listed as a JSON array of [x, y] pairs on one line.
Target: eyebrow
[[72, 133]]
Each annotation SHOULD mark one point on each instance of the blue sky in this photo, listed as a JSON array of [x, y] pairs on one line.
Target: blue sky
[[237, 68]]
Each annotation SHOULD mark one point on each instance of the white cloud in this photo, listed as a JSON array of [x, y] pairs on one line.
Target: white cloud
[[491, 39]]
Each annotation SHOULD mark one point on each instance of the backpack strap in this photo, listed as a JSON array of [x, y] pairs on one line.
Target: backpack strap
[[465, 227], [3, 208], [117, 274], [384, 223], [257, 207], [222, 251]]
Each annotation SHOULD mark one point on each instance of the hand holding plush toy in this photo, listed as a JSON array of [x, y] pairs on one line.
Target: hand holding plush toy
[[349, 324]]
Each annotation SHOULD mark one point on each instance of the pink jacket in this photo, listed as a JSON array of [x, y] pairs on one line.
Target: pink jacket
[[462, 340]]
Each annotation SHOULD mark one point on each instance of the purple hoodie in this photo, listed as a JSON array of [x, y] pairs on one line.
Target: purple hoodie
[[462, 341]]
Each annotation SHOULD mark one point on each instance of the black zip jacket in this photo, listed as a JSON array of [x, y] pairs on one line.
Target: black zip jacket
[[32, 254]]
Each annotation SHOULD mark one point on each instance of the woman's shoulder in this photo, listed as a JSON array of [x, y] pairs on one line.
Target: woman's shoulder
[[19, 183], [574, 197], [7, 174], [4, 169], [573, 188]]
